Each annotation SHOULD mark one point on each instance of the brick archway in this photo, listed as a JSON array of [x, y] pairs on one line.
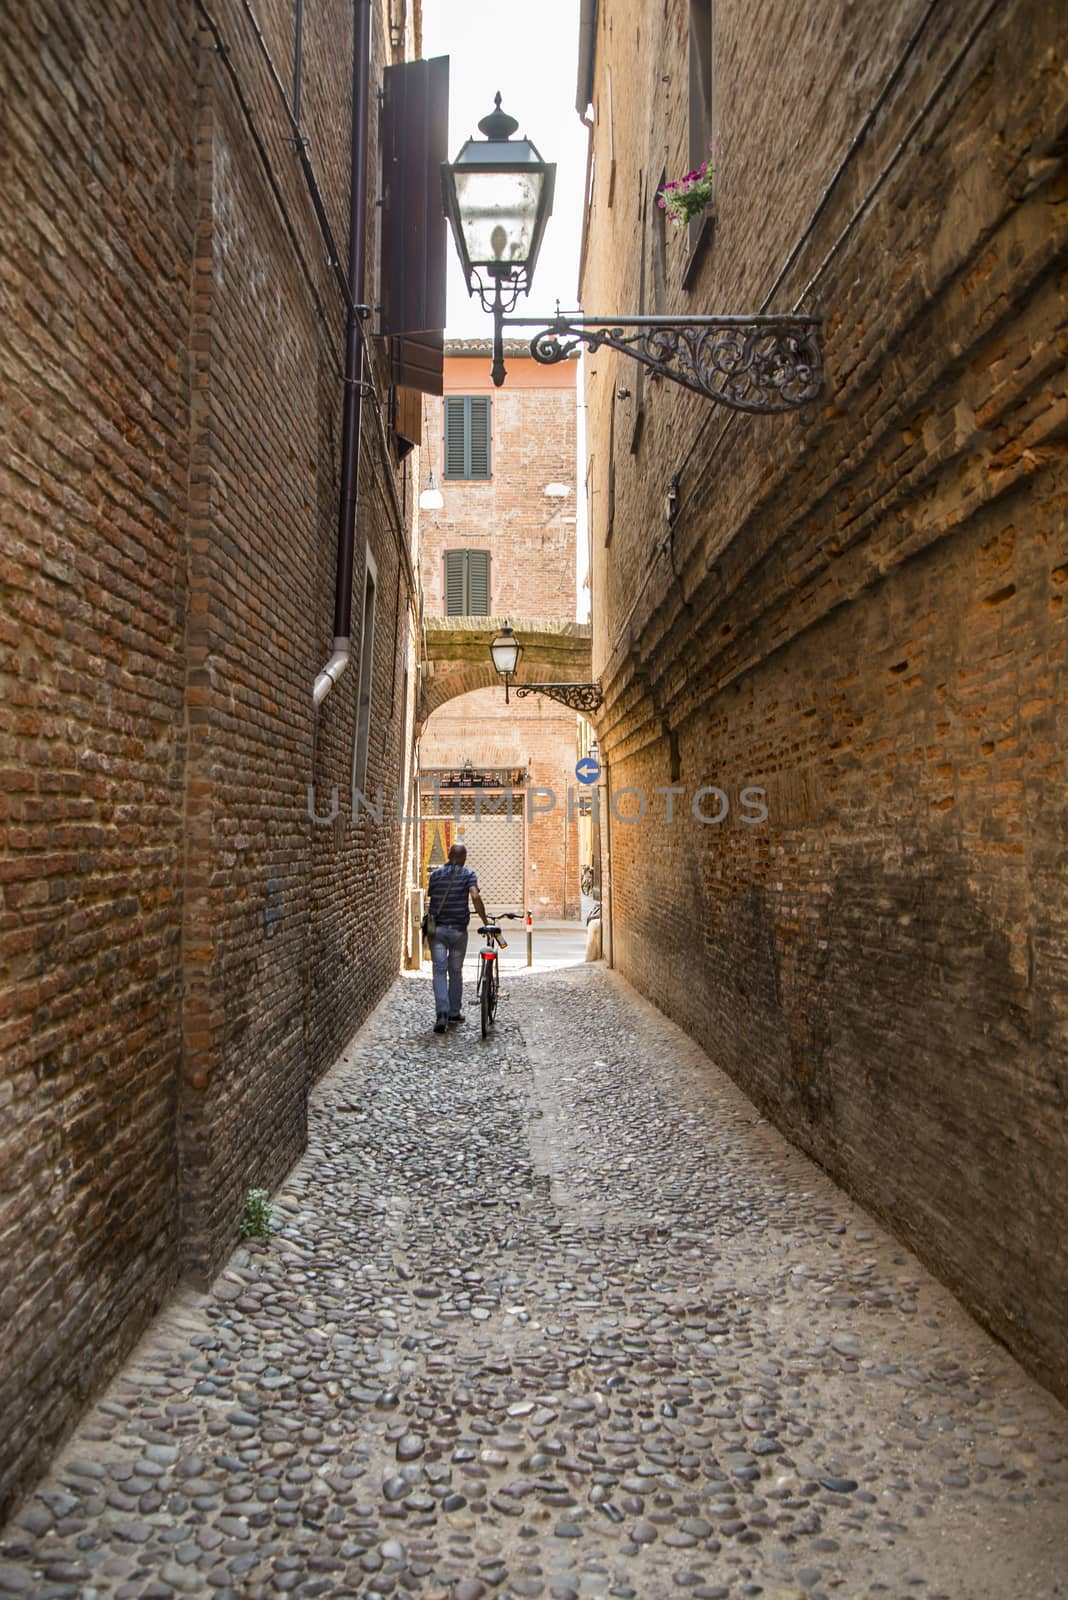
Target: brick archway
[[458, 659]]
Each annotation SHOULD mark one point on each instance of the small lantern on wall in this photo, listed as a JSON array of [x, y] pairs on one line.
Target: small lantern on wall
[[505, 653]]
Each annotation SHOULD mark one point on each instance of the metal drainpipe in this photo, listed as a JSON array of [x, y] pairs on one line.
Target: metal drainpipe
[[352, 416], [606, 873], [298, 43]]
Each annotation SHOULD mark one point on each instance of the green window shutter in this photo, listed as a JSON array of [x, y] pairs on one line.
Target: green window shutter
[[455, 439], [467, 590], [455, 584], [467, 436], [479, 436], [478, 590]]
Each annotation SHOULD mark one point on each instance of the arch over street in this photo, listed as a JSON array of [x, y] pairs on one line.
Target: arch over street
[[458, 656]]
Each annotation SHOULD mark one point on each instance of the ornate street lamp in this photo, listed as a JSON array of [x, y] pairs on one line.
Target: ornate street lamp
[[505, 652], [498, 196]]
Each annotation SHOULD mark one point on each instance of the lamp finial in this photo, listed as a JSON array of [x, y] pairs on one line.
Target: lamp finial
[[498, 125]]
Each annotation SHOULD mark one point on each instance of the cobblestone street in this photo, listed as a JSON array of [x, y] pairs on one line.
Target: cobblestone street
[[556, 1314]]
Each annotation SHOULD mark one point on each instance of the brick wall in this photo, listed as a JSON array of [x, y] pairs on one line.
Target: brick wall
[[181, 949], [531, 538], [98, 238], [861, 611]]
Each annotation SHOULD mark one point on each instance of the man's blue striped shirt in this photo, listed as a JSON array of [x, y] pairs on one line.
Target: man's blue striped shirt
[[449, 895]]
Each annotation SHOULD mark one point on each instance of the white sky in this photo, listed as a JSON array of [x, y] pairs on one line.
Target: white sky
[[529, 51]]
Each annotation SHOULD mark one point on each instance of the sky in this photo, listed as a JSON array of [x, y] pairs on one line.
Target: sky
[[530, 53]]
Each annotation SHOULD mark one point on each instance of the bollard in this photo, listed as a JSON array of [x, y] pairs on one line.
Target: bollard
[[415, 930], [530, 938]]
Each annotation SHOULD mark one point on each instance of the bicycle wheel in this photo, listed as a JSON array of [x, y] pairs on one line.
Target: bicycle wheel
[[488, 1005], [486, 1013]]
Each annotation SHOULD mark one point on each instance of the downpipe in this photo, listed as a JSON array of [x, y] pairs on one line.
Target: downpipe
[[326, 679], [352, 416]]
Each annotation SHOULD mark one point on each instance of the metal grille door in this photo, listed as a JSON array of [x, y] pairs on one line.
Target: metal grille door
[[495, 851], [494, 848]]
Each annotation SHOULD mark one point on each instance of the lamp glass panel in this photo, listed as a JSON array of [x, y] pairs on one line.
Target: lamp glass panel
[[498, 211], [505, 656]]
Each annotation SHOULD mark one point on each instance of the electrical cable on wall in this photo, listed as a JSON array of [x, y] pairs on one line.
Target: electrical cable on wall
[[319, 209]]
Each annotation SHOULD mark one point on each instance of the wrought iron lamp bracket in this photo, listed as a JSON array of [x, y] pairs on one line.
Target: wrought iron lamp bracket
[[579, 696], [498, 291], [507, 285], [766, 363]]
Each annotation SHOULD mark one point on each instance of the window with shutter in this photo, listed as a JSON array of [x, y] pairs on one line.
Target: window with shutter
[[479, 435], [478, 583], [702, 126], [467, 586], [414, 135], [702, 115], [455, 584], [455, 439], [467, 436]]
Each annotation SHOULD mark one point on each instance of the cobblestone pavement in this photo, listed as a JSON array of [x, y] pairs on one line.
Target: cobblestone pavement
[[556, 1315]]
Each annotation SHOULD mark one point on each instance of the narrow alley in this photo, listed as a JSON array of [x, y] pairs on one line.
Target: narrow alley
[[555, 1314], [710, 630]]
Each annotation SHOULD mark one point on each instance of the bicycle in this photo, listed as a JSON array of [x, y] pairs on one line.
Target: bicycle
[[488, 986]]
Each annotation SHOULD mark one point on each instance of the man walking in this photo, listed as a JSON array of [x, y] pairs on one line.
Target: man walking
[[449, 893]]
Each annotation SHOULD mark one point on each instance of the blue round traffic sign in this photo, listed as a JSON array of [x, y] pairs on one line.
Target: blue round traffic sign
[[588, 770]]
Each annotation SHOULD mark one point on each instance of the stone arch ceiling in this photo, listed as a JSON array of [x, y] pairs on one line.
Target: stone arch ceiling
[[458, 658]]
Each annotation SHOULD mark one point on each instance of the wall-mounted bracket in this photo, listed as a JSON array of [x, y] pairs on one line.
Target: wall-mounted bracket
[[579, 696], [766, 363]]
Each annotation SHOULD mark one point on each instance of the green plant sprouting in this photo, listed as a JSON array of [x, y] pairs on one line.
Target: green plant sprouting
[[256, 1218]]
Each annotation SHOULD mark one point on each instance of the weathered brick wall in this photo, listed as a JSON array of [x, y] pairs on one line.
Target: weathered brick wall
[[97, 243], [540, 735], [183, 948], [286, 949], [531, 538], [861, 611]]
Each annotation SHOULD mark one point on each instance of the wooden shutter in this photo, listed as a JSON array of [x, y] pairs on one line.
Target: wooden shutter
[[408, 419], [479, 436], [467, 436], [455, 439], [701, 123], [455, 586], [478, 590], [414, 143], [467, 585], [418, 362]]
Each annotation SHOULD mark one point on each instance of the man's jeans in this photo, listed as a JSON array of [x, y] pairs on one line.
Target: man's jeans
[[447, 950]]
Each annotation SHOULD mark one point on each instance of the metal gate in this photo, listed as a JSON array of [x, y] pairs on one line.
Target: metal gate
[[494, 843]]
